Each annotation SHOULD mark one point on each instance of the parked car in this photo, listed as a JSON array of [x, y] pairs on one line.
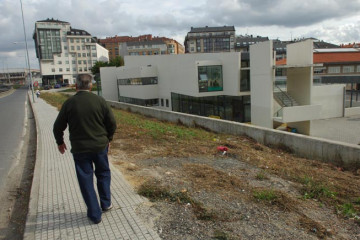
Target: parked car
[[57, 85]]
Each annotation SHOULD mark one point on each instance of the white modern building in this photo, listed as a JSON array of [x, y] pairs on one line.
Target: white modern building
[[218, 85], [64, 52], [201, 84]]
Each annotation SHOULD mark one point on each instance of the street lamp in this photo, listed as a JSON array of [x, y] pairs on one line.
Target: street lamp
[[27, 53]]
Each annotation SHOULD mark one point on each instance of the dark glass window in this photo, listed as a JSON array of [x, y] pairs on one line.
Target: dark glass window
[[50, 43], [223, 107], [141, 102], [138, 81], [210, 78]]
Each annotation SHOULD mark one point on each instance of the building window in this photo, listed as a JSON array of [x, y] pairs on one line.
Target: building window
[[80, 69], [77, 40], [60, 69], [84, 62], [79, 54], [73, 62], [72, 40], [74, 69], [162, 102], [78, 48], [233, 108], [83, 48], [65, 47], [348, 69], [334, 69], [84, 54], [68, 69], [93, 47], [210, 78], [167, 102], [358, 68], [72, 48], [93, 54], [138, 81], [66, 62], [53, 69]]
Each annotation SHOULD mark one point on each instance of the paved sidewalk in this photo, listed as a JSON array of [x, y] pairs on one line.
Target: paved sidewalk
[[57, 210]]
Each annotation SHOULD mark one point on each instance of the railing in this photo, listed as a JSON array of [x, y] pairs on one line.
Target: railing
[[284, 95]]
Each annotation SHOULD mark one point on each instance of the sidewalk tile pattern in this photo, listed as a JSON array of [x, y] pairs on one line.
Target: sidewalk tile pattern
[[61, 212]]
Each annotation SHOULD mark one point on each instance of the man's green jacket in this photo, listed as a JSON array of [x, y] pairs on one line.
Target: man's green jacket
[[91, 123]]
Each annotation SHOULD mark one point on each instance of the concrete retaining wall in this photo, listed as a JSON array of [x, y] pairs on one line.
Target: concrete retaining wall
[[352, 111], [340, 154]]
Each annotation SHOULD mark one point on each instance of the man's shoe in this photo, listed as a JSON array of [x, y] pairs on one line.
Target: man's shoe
[[108, 208], [96, 221]]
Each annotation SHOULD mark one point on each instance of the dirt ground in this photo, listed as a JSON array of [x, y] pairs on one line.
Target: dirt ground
[[250, 191]]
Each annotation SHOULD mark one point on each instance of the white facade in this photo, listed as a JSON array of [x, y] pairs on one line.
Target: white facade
[[71, 51], [164, 78], [156, 78]]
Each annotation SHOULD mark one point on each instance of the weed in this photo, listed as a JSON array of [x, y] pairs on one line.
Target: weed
[[261, 175], [155, 192], [218, 234], [348, 210], [265, 195], [315, 190], [357, 201]]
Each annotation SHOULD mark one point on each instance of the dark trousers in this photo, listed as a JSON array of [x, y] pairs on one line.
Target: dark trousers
[[85, 171]]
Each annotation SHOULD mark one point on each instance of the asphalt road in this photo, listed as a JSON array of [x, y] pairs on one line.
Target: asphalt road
[[12, 125]]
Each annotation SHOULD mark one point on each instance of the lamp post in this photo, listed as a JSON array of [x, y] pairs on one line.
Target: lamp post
[[27, 53]]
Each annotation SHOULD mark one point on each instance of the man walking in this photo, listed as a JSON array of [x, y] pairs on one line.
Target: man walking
[[91, 126]]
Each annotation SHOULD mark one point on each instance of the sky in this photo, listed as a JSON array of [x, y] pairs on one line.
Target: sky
[[334, 21]]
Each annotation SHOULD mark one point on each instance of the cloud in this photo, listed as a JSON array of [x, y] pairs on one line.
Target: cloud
[[330, 20]]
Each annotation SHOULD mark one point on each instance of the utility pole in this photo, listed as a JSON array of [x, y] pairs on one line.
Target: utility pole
[[27, 53]]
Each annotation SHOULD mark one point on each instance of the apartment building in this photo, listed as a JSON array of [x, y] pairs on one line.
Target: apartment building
[[243, 42], [210, 39], [141, 45], [64, 52], [338, 65]]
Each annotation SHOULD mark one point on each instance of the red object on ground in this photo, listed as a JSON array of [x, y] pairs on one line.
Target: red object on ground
[[222, 148]]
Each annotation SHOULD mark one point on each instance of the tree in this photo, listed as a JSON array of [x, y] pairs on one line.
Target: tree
[[117, 61], [96, 68]]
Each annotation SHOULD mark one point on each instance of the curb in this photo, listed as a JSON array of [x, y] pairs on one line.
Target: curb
[[30, 226]]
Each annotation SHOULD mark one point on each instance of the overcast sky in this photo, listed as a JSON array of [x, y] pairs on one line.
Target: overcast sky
[[335, 21]]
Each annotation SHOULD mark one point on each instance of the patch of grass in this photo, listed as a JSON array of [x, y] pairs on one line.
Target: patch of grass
[[315, 190], [55, 99], [16, 86], [220, 235], [357, 201], [261, 175], [155, 192], [265, 195], [348, 210], [68, 90], [157, 130]]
